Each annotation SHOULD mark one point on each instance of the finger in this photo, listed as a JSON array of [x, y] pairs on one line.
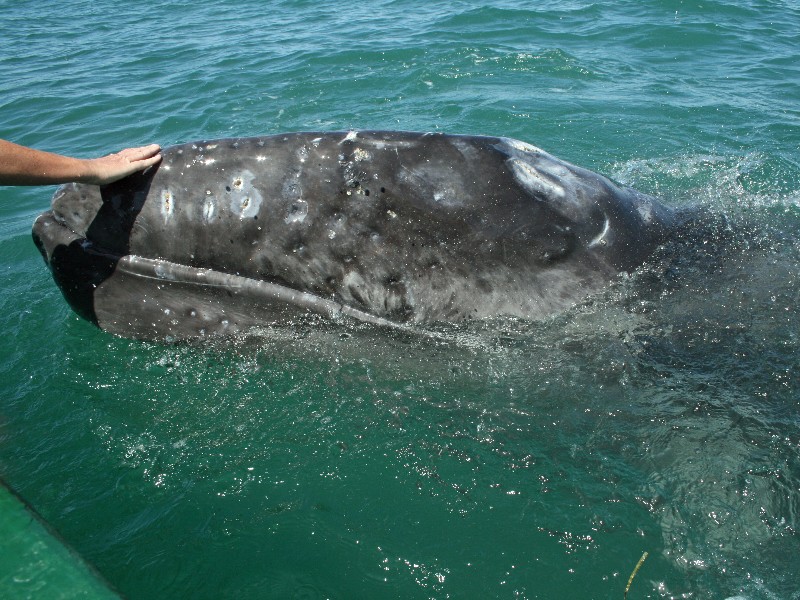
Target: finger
[[150, 160], [140, 152], [150, 149]]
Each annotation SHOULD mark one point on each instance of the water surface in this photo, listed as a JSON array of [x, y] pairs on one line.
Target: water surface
[[503, 460]]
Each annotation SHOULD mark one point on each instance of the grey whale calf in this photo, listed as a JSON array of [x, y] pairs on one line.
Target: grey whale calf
[[385, 227]]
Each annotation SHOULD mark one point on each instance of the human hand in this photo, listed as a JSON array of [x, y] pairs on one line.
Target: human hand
[[107, 169]]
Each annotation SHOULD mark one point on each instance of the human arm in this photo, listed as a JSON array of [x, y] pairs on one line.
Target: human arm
[[20, 165]]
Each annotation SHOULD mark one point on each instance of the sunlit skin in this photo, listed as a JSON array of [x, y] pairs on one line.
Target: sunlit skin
[[20, 165]]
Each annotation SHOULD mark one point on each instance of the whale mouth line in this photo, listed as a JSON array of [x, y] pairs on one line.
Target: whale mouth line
[[218, 295], [163, 295]]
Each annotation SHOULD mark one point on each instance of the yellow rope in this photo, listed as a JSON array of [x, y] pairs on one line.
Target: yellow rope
[[635, 570]]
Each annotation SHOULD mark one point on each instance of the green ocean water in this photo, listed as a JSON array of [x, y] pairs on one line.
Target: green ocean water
[[507, 459]]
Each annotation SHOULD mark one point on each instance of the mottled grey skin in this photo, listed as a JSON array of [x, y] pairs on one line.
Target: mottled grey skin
[[389, 227]]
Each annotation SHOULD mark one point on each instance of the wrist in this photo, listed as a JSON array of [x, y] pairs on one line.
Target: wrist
[[85, 171]]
